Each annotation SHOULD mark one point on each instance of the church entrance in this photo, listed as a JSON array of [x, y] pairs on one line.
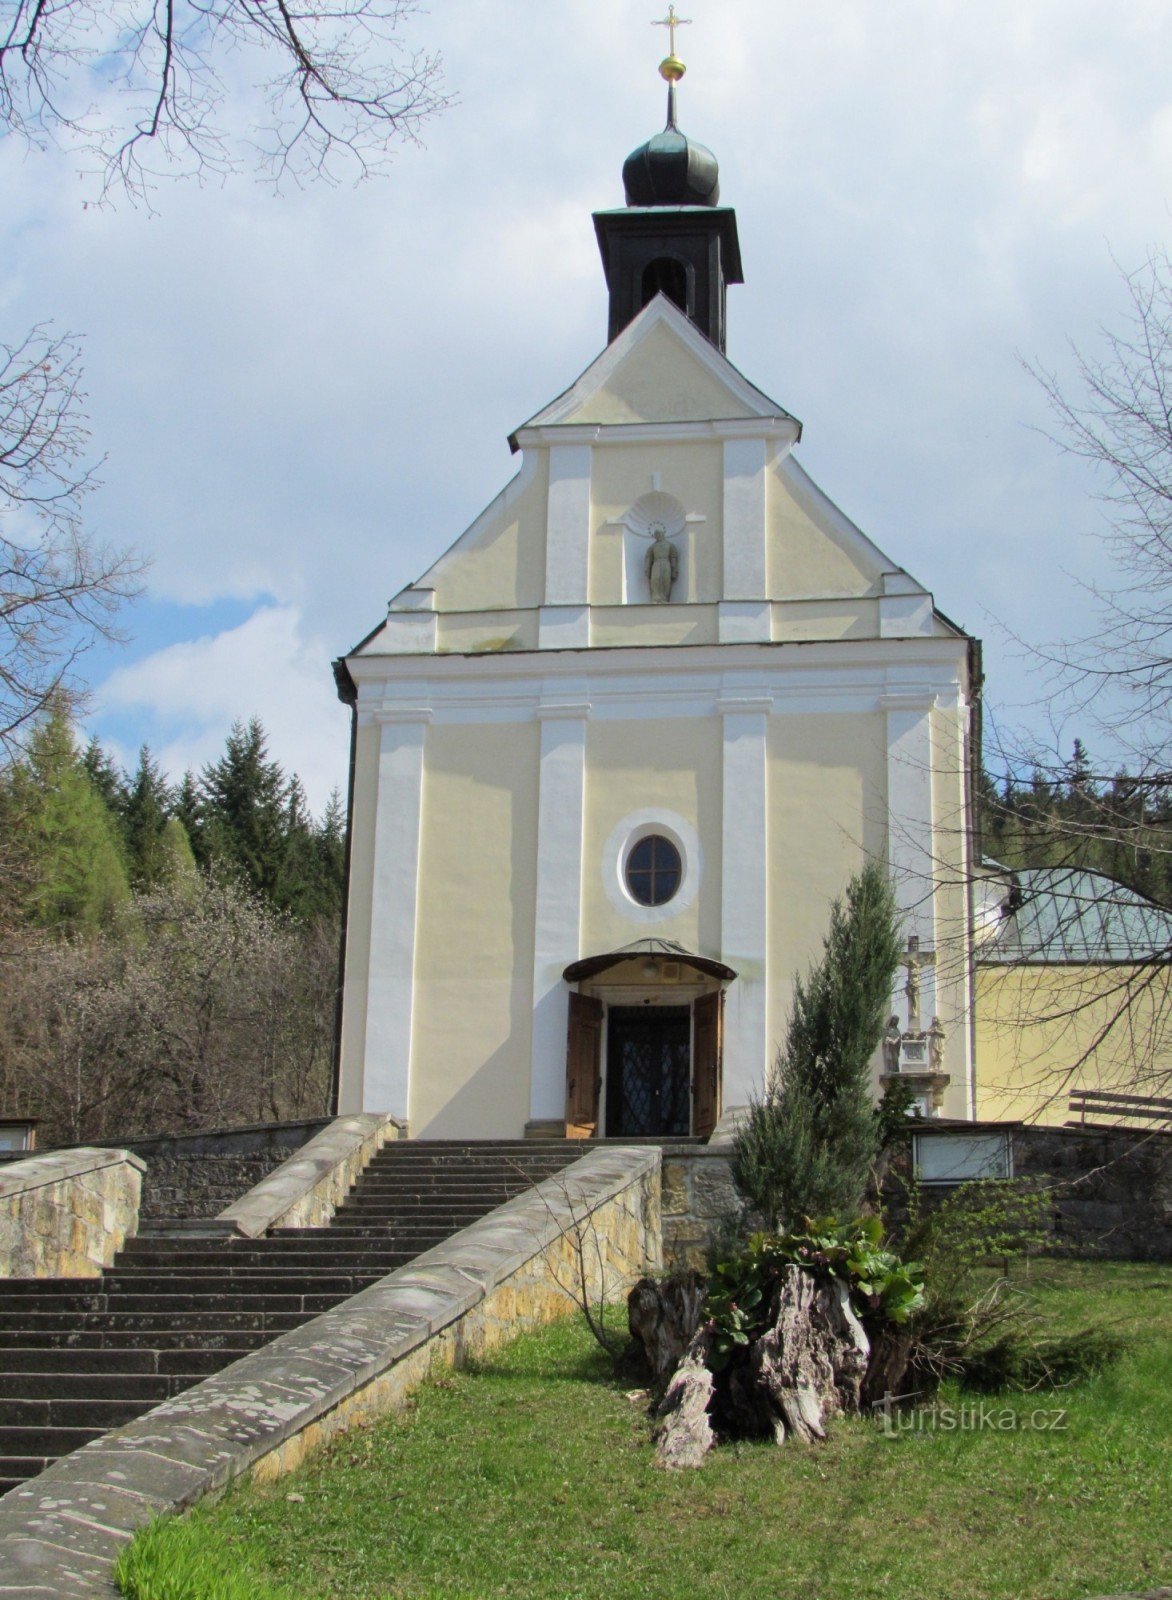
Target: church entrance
[[649, 1071], [644, 1051]]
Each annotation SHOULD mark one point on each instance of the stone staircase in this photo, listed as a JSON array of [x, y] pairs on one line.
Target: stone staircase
[[81, 1356]]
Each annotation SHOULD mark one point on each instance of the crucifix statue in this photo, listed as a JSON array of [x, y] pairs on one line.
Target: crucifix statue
[[914, 961]]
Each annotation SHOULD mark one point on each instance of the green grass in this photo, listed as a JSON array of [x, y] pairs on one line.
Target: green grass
[[533, 1477]]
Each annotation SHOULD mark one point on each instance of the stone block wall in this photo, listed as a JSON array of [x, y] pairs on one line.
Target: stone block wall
[[199, 1174], [65, 1214], [698, 1200], [1112, 1188]]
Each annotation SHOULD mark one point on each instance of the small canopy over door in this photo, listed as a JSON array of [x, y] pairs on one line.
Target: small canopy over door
[[583, 1066], [707, 1040]]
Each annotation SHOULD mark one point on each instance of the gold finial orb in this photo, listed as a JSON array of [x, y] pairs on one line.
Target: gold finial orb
[[672, 69]]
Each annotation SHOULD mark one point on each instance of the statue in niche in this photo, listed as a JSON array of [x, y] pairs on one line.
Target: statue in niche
[[662, 566]]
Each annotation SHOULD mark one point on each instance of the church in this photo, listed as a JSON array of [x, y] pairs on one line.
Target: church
[[617, 751]]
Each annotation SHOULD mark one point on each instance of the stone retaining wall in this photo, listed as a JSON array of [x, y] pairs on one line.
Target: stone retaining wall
[[66, 1213], [698, 1198], [198, 1174], [1111, 1188], [306, 1190], [61, 1534]]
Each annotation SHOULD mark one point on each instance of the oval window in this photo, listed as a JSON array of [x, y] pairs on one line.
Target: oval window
[[653, 871]]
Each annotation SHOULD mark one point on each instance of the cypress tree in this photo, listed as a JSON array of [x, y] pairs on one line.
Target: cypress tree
[[808, 1146]]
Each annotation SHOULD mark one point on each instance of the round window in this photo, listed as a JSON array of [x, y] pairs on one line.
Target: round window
[[653, 870]]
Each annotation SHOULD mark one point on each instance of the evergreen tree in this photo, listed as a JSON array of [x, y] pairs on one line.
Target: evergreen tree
[[144, 811], [104, 775], [187, 808], [244, 810], [808, 1146], [77, 876]]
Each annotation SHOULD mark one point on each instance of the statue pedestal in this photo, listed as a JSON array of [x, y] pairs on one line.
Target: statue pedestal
[[916, 1067]]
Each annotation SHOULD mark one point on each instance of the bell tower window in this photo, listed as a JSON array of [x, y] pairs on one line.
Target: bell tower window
[[665, 275]]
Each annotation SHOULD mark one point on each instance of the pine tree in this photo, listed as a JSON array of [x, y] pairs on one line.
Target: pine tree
[[808, 1146], [244, 810], [187, 808], [104, 775], [144, 812]]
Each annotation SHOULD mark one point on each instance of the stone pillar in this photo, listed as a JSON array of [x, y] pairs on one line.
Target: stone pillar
[[391, 980], [744, 610], [560, 815], [744, 878]]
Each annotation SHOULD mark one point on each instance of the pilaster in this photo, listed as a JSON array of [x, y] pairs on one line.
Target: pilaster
[[744, 905], [389, 1008], [560, 815]]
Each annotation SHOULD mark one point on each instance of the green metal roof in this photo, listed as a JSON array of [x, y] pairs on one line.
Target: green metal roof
[[1071, 915]]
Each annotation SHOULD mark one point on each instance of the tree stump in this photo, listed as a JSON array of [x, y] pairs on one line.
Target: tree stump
[[663, 1316], [685, 1434], [810, 1365]]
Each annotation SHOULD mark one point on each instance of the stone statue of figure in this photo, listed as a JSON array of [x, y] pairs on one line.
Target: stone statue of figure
[[662, 566], [936, 1045], [891, 1043]]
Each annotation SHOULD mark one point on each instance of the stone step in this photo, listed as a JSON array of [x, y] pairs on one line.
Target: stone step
[[86, 1362], [48, 1443], [187, 1338], [347, 1262], [241, 1280], [27, 1416], [15, 1470], [255, 1320], [175, 1303], [148, 1388]]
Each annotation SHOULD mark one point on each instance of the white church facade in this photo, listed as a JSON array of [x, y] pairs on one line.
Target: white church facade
[[618, 750]]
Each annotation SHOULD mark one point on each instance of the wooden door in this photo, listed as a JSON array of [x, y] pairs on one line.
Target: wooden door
[[707, 1048], [583, 1066]]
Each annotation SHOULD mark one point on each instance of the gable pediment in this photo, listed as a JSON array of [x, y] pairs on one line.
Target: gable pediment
[[660, 370]]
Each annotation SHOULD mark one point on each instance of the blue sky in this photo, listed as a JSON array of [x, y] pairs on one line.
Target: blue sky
[[304, 399]]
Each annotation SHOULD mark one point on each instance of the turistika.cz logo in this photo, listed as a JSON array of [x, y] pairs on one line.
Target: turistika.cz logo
[[899, 1419]]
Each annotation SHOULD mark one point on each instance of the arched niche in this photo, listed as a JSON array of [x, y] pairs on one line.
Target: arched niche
[[654, 510]]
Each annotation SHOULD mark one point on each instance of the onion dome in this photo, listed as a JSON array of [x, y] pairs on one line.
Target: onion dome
[[671, 169]]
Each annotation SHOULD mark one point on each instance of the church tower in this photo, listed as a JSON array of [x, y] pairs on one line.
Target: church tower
[[617, 751], [673, 236]]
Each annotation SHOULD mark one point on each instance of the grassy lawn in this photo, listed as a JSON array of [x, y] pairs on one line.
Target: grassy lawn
[[532, 1476]]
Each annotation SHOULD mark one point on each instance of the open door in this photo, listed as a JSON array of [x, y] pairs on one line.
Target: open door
[[707, 1045], [583, 1067]]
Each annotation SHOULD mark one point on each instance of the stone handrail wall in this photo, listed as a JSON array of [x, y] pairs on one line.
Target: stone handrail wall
[[66, 1213], [306, 1190], [516, 1268]]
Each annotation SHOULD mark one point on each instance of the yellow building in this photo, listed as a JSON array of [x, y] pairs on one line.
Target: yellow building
[[1071, 991], [617, 750]]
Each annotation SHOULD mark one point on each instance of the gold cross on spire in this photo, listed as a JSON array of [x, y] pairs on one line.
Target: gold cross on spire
[[673, 22]]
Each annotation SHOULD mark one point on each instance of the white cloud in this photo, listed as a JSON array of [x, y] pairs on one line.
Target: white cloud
[[188, 695]]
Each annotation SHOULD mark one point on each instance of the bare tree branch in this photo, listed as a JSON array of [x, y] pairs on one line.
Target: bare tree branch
[[339, 84], [60, 591]]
